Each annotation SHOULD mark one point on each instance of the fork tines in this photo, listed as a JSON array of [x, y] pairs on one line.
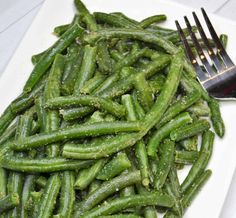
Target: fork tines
[[208, 76]]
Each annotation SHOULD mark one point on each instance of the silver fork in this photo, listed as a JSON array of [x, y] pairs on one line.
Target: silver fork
[[221, 81]]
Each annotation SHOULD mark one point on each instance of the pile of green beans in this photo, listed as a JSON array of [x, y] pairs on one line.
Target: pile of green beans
[[109, 114]]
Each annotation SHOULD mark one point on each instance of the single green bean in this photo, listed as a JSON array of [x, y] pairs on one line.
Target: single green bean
[[52, 90], [133, 201], [114, 20], [72, 66], [59, 30], [86, 176], [87, 68], [104, 60], [216, 118], [41, 181], [199, 109], [153, 19], [155, 140], [46, 60], [105, 190], [121, 216], [164, 164], [179, 106], [85, 100], [23, 164], [86, 16], [224, 40], [9, 202], [190, 144], [192, 129], [186, 157], [94, 185], [67, 195], [28, 187], [195, 188], [202, 161], [3, 182], [118, 164], [77, 131], [144, 91], [172, 188], [90, 85], [48, 200]]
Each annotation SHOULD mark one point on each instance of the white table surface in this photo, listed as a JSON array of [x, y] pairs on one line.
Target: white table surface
[[17, 15]]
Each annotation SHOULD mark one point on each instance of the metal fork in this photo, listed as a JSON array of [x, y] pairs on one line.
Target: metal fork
[[221, 81]]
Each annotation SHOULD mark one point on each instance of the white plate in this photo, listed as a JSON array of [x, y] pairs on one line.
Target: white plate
[[209, 202]]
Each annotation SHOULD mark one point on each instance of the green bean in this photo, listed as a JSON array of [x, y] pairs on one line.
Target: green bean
[[48, 199], [3, 182], [52, 90], [192, 129], [86, 16], [144, 91], [119, 14], [94, 185], [224, 40], [35, 58], [192, 85], [77, 131], [23, 164], [142, 35], [121, 216], [85, 100], [140, 113], [179, 106], [129, 106], [59, 30], [87, 68], [9, 202], [195, 188], [121, 142], [46, 60], [172, 188], [9, 133], [104, 60], [118, 164], [41, 181], [114, 20], [190, 144], [199, 109], [15, 183], [133, 201], [6, 118], [186, 157], [116, 55], [167, 93], [105, 190], [90, 85], [155, 140], [41, 113], [202, 161], [67, 195], [28, 187], [36, 197], [126, 84], [72, 66], [164, 164], [75, 113], [86, 176], [153, 19], [216, 118], [127, 61]]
